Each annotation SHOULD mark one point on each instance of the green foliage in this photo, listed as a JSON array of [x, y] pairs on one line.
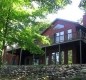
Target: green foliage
[[18, 22], [53, 5], [82, 5]]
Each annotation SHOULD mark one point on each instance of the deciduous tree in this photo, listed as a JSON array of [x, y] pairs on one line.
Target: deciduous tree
[[19, 24], [82, 5]]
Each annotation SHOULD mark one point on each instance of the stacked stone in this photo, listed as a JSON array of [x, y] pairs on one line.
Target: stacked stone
[[51, 72]]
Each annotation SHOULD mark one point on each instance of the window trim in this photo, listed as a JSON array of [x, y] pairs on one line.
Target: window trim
[[58, 37], [70, 34], [59, 26]]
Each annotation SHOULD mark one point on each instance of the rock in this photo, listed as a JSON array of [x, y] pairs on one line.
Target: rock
[[62, 72], [83, 71]]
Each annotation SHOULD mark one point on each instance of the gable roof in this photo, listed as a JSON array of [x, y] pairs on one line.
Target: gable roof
[[58, 19]]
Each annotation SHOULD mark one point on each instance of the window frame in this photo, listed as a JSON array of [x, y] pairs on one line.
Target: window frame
[[69, 34], [59, 26], [62, 39], [59, 37]]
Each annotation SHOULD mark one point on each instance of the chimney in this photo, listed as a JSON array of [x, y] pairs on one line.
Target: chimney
[[84, 20]]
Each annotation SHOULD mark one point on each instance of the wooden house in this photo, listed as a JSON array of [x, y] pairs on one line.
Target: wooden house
[[68, 45]]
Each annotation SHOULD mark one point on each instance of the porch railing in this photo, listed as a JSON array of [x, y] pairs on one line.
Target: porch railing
[[68, 37]]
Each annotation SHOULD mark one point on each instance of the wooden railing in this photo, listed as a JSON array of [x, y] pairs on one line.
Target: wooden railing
[[69, 37], [79, 35]]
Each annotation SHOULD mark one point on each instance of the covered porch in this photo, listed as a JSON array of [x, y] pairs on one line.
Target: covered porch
[[66, 53], [73, 52]]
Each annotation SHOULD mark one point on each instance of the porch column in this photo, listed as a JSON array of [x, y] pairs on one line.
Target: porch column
[[20, 56], [80, 47], [80, 52], [59, 54]]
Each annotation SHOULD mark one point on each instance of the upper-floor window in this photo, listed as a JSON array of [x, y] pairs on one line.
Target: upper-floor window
[[59, 37], [62, 36], [59, 26], [69, 32]]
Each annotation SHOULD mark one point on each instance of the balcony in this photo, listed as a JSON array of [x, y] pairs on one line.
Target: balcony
[[74, 36]]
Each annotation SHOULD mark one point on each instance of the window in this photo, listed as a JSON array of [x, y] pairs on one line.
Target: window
[[69, 34], [59, 26], [47, 60], [59, 37], [53, 58], [62, 57], [36, 61], [57, 57], [70, 57], [62, 36]]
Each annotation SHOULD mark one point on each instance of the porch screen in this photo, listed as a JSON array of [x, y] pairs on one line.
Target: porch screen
[[70, 57], [62, 57], [55, 58], [47, 60], [36, 61]]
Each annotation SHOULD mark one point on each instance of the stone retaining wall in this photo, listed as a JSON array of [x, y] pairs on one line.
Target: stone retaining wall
[[52, 72]]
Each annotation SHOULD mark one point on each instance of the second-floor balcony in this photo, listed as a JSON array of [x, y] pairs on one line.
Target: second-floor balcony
[[74, 36]]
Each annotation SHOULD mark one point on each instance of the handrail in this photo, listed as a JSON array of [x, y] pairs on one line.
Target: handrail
[[79, 35], [68, 37]]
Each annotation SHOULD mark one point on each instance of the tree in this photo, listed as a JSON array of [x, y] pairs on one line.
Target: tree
[[18, 21], [82, 5]]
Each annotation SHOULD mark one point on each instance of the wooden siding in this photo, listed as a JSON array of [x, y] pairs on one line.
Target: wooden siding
[[67, 25], [50, 32]]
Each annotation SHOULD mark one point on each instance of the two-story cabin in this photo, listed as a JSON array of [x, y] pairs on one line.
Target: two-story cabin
[[68, 45]]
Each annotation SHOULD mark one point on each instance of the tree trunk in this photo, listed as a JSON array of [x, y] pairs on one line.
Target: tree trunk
[[5, 29]]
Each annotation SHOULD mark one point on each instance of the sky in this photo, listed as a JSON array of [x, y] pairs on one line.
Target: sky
[[70, 12]]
